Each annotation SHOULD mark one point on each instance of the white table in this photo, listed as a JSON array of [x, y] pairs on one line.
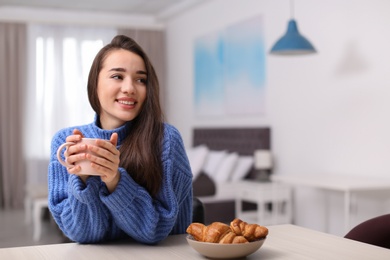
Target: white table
[[264, 194], [348, 185], [283, 242]]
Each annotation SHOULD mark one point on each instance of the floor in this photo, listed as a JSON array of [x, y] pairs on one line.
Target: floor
[[16, 232]]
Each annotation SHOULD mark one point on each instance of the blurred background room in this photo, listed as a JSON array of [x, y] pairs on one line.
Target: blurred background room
[[326, 113]]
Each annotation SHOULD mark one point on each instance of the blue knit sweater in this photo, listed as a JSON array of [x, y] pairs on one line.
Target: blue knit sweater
[[88, 213]]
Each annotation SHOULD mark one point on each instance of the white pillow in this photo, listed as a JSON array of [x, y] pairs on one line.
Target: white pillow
[[197, 157], [225, 168], [214, 158], [243, 166]]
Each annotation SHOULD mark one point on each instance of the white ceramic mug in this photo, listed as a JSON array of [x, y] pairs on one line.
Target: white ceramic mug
[[85, 165]]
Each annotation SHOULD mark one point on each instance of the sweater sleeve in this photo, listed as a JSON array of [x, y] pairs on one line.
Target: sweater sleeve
[[76, 206], [147, 219]]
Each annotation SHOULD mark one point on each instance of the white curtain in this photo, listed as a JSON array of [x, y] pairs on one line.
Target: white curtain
[[60, 58]]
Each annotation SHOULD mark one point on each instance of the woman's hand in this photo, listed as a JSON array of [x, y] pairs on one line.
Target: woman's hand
[[76, 153], [105, 161]]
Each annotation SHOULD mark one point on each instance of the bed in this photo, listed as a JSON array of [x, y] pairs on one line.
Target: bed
[[218, 197]]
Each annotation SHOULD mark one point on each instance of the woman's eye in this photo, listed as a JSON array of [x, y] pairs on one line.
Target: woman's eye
[[142, 80], [116, 77]]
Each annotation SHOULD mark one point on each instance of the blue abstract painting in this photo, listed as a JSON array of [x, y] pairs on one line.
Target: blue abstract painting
[[230, 70]]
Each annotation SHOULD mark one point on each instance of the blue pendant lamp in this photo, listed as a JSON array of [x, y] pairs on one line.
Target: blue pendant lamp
[[292, 43]]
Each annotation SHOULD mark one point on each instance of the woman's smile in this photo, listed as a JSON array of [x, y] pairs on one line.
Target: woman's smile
[[127, 102]]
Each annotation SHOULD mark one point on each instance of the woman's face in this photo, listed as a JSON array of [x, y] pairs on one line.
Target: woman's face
[[121, 88]]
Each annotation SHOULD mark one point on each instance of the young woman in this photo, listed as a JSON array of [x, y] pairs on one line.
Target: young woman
[[142, 187]]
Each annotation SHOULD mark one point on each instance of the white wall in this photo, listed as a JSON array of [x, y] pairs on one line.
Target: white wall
[[329, 112]]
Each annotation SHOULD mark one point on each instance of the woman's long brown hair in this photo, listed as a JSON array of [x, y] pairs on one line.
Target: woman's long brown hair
[[141, 149]]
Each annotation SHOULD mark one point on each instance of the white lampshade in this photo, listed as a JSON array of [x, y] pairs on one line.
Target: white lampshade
[[263, 159]]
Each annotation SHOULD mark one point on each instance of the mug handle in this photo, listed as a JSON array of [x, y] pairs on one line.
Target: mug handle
[[62, 146]]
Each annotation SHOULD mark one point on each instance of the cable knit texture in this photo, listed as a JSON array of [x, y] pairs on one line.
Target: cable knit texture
[[87, 213]]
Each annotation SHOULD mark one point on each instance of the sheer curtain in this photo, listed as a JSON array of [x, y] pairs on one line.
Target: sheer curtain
[[59, 60]]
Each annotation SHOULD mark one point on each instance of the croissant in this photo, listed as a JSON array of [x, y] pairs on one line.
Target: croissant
[[250, 231], [216, 232]]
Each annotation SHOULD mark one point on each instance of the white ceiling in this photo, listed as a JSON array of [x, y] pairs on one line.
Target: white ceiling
[[155, 8]]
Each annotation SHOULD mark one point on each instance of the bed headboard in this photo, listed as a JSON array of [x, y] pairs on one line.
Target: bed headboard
[[242, 140]]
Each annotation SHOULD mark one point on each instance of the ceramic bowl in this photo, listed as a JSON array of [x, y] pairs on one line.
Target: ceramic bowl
[[215, 250]]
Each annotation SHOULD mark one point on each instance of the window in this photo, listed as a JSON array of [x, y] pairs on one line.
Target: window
[[60, 59]]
